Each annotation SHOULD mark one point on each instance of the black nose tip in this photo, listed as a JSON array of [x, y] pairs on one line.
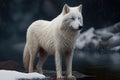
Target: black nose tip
[[80, 27]]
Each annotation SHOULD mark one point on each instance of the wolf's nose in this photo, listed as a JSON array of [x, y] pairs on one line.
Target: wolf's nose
[[80, 27]]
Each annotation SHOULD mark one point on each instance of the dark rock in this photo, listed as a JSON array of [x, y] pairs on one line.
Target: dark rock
[[9, 65]]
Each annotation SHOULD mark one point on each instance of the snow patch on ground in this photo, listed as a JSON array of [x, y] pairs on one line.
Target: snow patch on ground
[[15, 75], [86, 38]]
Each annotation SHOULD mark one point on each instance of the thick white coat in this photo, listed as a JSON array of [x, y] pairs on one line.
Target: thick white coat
[[55, 37]]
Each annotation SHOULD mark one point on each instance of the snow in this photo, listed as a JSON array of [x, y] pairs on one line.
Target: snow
[[115, 37], [86, 38], [15, 75], [117, 48], [104, 33], [95, 39]]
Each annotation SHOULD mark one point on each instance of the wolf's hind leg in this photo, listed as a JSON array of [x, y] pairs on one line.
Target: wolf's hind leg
[[33, 52], [42, 57]]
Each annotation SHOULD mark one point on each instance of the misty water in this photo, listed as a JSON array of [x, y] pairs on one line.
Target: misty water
[[103, 65], [106, 59]]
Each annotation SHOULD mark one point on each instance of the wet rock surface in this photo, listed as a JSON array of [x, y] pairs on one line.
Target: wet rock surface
[[51, 75]]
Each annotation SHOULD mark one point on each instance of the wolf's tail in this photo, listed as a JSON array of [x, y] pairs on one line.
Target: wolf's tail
[[26, 58]]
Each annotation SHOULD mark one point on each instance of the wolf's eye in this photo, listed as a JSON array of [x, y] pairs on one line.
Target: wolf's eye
[[72, 18], [78, 18]]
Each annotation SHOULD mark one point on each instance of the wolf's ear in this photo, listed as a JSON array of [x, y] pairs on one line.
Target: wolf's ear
[[80, 7], [66, 9]]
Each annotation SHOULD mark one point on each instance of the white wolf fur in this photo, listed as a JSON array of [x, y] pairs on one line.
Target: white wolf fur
[[56, 37]]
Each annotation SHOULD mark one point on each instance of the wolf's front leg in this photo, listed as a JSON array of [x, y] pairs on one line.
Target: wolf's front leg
[[58, 66], [69, 57]]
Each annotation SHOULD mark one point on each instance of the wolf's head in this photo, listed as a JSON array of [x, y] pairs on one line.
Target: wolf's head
[[73, 17]]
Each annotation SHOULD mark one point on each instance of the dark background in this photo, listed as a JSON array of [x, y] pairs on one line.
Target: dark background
[[17, 15]]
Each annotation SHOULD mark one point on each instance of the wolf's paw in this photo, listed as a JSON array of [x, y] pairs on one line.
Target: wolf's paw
[[60, 78], [71, 78]]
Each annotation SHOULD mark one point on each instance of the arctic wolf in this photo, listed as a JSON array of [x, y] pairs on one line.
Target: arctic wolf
[[56, 37]]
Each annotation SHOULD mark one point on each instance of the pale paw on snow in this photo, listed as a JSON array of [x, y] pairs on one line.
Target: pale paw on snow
[[71, 78]]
